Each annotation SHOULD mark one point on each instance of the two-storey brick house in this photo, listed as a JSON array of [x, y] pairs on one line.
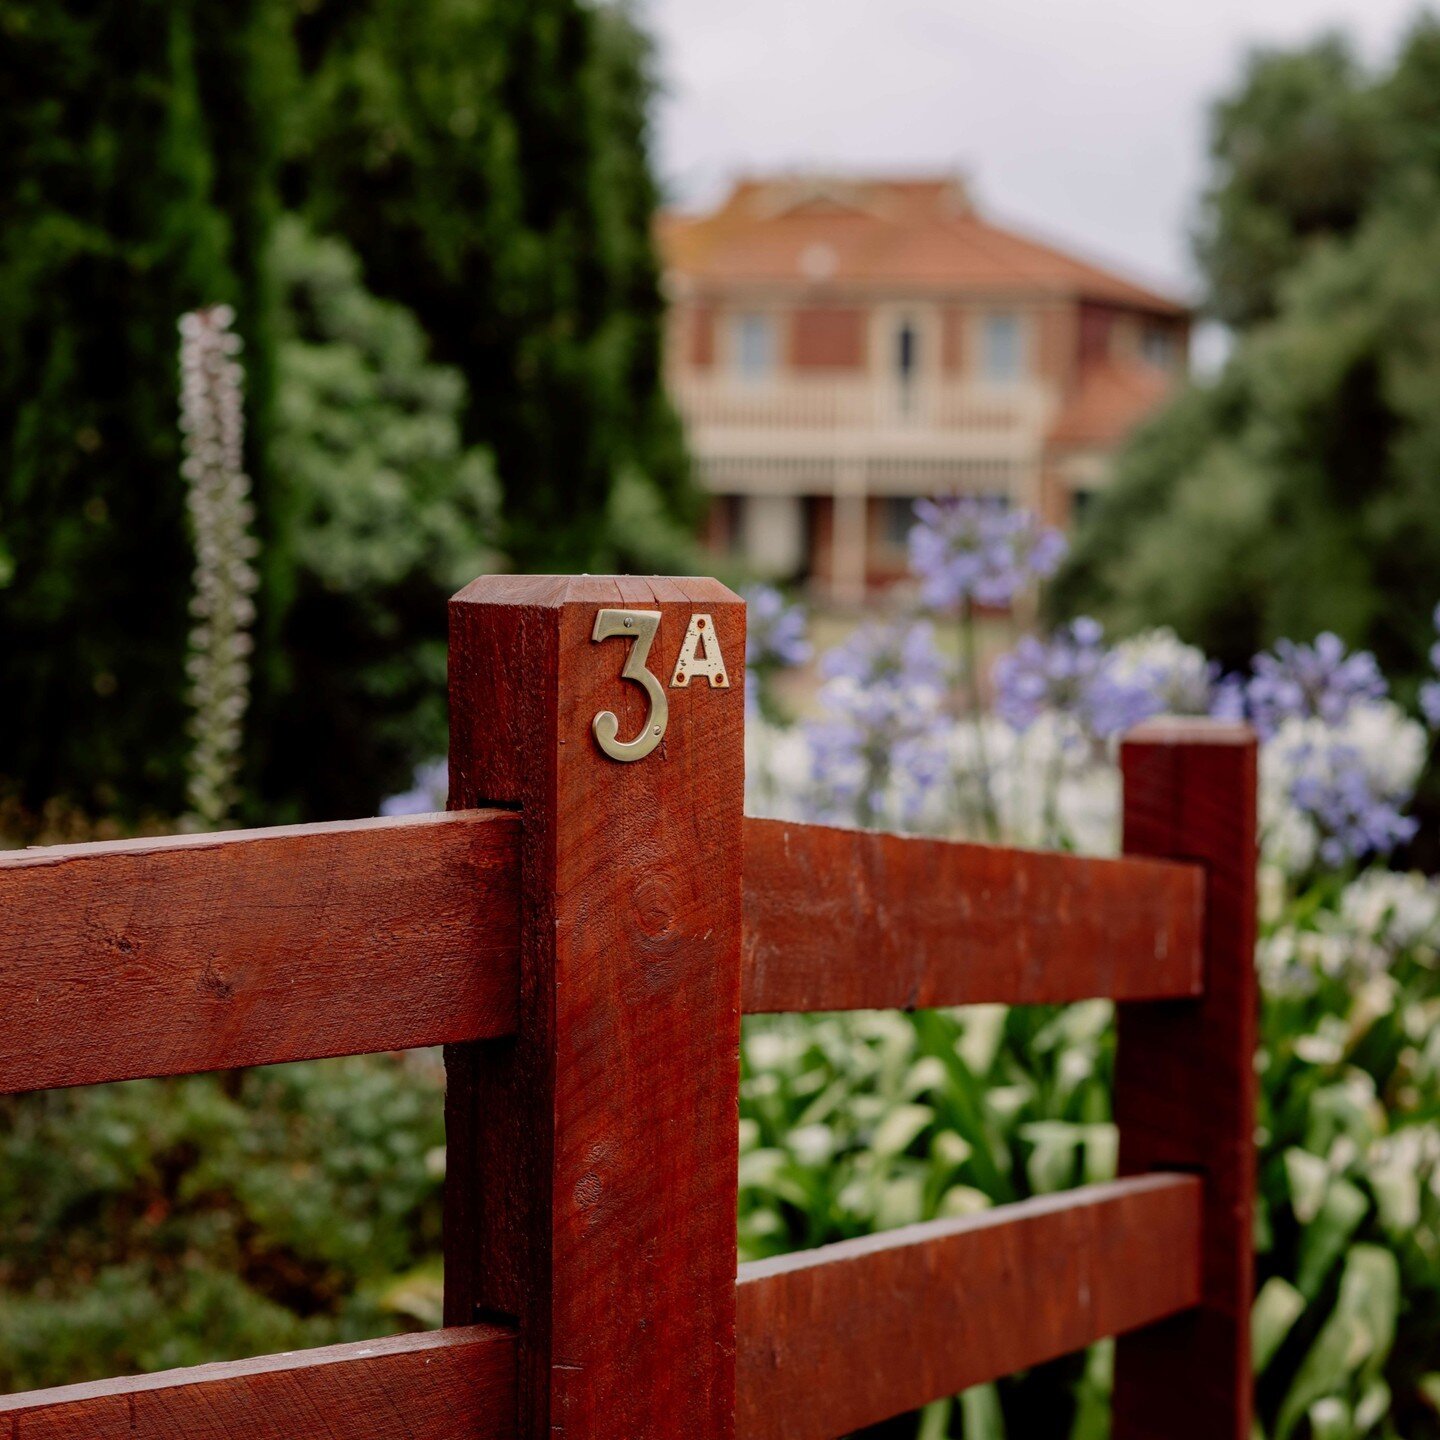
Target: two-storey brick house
[[838, 347]]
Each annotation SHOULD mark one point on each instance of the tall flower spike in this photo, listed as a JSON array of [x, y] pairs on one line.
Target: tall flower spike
[[212, 423]]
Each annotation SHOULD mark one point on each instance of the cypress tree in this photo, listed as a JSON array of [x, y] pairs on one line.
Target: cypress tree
[[486, 159]]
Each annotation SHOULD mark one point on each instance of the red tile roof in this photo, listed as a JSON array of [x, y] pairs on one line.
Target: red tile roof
[[879, 233], [1109, 400]]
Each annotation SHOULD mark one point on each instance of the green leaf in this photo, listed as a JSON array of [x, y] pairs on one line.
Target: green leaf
[[980, 1408], [1309, 1178], [1326, 1236], [1354, 1342], [898, 1130], [1277, 1307], [935, 1421]]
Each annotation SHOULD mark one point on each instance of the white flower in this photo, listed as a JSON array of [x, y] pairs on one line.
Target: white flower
[[1397, 912], [1177, 673], [1378, 737]]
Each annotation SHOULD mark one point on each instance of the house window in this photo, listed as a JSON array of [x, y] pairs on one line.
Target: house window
[[907, 351], [1157, 345], [1002, 349], [754, 346]]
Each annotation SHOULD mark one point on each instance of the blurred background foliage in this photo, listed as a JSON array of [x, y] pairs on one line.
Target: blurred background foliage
[[486, 164], [393, 509], [1294, 492]]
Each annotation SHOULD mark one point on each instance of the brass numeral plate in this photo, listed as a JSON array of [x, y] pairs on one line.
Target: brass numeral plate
[[639, 626]]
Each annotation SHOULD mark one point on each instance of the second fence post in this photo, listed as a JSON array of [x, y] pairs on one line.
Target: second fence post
[[1185, 1086], [591, 1171]]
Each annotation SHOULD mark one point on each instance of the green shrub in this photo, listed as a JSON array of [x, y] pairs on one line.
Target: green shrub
[[161, 1223]]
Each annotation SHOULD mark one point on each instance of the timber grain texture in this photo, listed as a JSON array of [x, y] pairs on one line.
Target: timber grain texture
[[850, 920], [847, 1335], [591, 1171], [1185, 1086], [165, 957], [444, 1385]]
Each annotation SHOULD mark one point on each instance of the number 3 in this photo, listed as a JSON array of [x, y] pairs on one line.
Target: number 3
[[639, 625]]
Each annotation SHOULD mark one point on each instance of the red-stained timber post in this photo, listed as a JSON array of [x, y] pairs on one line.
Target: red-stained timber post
[[590, 1189], [1185, 1088]]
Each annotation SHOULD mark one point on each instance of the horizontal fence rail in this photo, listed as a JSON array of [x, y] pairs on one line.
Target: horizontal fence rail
[[164, 957], [833, 1339], [828, 1340], [855, 920], [445, 1385], [171, 956]]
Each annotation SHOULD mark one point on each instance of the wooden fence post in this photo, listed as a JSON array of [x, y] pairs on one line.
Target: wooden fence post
[[590, 1188], [1185, 1088]]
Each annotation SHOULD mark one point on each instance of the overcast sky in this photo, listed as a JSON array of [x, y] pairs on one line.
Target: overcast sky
[[1083, 120]]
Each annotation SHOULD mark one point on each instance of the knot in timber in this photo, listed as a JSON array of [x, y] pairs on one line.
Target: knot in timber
[[654, 910], [655, 933]]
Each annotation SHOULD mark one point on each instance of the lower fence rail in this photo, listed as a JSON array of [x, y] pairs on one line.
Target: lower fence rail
[[456, 1384], [841, 1337], [828, 1340]]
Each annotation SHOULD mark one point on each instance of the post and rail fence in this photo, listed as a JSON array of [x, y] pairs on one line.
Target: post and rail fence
[[582, 932]]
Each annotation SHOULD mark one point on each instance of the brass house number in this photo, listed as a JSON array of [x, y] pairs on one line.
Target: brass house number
[[699, 656]]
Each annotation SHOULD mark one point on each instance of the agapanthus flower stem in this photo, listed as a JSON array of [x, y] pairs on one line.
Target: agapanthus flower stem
[[970, 652]]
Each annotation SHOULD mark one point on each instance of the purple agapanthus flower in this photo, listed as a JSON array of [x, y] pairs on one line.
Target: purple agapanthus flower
[[1354, 819], [775, 635], [1322, 681], [1227, 700], [1430, 701], [967, 549], [1072, 675], [880, 735]]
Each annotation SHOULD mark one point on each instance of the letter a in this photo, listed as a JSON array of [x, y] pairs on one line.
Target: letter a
[[700, 636]]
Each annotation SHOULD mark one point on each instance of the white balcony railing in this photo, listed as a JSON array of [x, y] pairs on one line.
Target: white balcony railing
[[906, 414]]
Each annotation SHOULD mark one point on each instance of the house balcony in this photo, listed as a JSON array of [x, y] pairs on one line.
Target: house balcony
[[883, 422]]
